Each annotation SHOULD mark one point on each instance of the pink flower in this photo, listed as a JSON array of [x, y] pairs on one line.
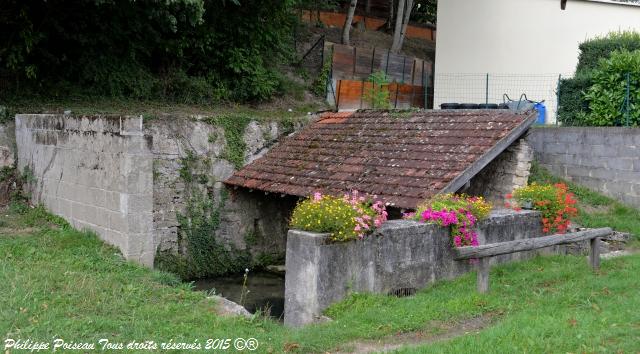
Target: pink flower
[[357, 228], [457, 241], [317, 196]]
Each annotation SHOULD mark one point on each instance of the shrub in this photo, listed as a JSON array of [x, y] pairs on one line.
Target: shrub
[[606, 97], [571, 102], [346, 218], [573, 107], [461, 212], [377, 94], [189, 51], [554, 202], [591, 51]]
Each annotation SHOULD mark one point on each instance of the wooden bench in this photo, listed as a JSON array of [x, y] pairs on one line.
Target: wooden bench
[[484, 252]]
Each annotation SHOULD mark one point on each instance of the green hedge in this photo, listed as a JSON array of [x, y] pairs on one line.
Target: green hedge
[[611, 102], [591, 51], [574, 108], [571, 101]]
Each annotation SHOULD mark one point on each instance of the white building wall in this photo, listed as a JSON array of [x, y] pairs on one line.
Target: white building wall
[[523, 44]]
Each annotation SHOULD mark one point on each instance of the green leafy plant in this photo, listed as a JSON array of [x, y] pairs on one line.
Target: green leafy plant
[[346, 218], [234, 126], [200, 254], [319, 86], [607, 97], [376, 93], [554, 201]]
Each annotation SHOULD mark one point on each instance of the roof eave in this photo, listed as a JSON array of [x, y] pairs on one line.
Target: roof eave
[[490, 155]]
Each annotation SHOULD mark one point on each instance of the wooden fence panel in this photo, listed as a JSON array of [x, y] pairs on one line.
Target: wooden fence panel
[[355, 94], [350, 63], [337, 19]]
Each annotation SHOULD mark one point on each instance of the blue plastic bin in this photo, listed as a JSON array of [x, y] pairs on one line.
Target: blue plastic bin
[[542, 112]]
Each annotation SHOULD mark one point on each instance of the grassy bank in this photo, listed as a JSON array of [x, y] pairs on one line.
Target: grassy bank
[[63, 283], [283, 108]]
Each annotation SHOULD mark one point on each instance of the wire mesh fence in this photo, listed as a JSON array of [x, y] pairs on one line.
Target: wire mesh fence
[[491, 88]]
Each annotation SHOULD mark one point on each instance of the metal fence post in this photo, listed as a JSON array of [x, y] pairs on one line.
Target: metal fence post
[[558, 97], [424, 86], [627, 99], [486, 90], [361, 94], [386, 69]]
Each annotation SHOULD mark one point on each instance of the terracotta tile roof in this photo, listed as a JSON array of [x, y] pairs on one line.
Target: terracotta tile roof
[[400, 157]]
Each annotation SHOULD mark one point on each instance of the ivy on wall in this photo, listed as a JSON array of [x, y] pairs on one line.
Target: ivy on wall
[[200, 255]]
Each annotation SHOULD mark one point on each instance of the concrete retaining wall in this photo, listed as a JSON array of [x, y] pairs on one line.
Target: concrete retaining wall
[[400, 255], [96, 172], [604, 159]]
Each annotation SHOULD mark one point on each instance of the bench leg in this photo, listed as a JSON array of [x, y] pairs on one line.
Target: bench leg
[[594, 256], [483, 275]]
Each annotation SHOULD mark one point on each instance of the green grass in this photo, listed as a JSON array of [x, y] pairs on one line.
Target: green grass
[[60, 282], [595, 210], [96, 105]]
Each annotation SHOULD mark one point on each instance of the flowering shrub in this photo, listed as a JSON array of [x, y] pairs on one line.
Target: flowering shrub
[[461, 212], [346, 218], [556, 204]]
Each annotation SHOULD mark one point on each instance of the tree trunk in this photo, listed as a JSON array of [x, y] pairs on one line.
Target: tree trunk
[[395, 45], [405, 22], [390, 19], [402, 20], [347, 22]]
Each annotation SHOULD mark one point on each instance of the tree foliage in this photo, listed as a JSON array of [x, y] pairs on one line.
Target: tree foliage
[[184, 50]]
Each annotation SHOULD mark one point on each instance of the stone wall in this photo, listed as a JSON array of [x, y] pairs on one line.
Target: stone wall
[[605, 159], [128, 179], [508, 171], [401, 256], [249, 221], [96, 172], [7, 144]]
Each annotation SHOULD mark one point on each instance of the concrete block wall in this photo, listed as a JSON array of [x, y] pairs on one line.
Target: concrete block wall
[[508, 171], [400, 255], [96, 172], [605, 159]]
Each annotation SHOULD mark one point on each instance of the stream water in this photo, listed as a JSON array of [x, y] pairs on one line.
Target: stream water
[[265, 291]]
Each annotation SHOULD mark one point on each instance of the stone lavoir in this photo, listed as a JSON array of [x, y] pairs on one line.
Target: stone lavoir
[[204, 197]]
